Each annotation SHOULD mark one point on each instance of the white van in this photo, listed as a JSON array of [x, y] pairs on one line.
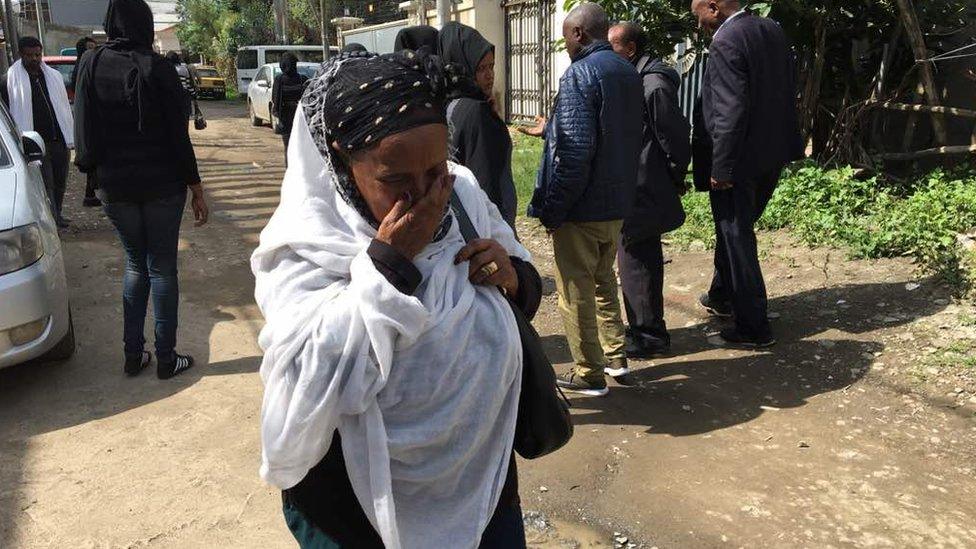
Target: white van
[[251, 58]]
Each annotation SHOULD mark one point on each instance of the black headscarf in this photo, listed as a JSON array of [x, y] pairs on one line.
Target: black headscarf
[[288, 64], [129, 26], [415, 38], [129, 22], [464, 46], [361, 98]]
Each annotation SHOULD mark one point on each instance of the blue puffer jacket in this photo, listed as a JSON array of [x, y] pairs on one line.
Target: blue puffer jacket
[[593, 141]]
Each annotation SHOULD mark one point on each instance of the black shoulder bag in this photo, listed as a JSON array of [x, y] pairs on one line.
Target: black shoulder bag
[[544, 424]]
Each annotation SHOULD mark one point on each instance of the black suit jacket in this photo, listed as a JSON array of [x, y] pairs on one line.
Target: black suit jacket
[[746, 121]]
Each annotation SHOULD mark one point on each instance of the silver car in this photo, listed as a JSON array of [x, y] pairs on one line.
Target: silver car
[[35, 320]]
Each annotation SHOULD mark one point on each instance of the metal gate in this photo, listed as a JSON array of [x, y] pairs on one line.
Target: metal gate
[[530, 63]]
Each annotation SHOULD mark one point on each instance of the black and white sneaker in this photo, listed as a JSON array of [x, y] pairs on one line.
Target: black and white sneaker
[[575, 384], [732, 338], [180, 363], [137, 363], [720, 309]]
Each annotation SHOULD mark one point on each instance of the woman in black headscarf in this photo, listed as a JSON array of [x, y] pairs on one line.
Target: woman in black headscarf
[[130, 129], [479, 137], [286, 92], [415, 38]]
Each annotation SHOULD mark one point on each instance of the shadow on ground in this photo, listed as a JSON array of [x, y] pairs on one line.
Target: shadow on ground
[[704, 388], [216, 301]]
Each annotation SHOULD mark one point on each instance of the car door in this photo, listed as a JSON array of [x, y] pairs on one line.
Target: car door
[[262, 93]]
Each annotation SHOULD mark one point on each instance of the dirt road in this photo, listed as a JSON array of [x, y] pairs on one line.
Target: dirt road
[[858, 430]]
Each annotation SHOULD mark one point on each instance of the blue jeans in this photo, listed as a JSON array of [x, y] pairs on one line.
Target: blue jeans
[[149, 232]]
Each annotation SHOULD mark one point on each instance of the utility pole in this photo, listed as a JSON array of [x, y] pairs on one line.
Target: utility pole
[[281, 21], [40, 25], [10, 29], [324, 9], [443, 12]]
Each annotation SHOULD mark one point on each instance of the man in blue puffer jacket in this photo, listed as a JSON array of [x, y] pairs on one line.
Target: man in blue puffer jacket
[[586, 187]]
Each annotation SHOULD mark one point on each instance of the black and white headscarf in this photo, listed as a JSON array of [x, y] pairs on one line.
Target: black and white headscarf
[[359, 98]]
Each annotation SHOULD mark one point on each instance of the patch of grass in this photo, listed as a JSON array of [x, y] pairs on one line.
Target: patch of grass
[[526, 156]]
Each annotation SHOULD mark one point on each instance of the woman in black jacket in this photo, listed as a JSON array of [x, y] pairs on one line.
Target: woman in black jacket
[[286, 92], [479, 138], [131, 131]]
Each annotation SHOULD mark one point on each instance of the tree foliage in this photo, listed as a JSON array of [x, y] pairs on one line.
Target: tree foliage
[[840, 46]]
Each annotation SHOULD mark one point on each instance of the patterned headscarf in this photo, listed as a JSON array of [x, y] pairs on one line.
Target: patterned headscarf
[[360, 98]]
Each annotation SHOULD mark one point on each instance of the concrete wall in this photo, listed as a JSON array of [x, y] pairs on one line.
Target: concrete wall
[[78, 13]]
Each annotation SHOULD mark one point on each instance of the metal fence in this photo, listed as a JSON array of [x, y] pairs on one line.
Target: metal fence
[[530, 63]]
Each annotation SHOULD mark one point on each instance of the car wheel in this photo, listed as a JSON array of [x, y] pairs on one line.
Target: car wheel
[[255, 121], [66, 347]]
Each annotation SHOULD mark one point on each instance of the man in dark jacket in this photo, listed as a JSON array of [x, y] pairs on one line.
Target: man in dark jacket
[[585, 190], [746, 132], [664, 159]]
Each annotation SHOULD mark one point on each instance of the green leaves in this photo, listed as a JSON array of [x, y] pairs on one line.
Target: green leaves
[[871, 220]]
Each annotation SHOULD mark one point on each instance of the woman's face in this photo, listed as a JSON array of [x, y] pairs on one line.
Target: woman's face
[[405, 163], [484, 76]]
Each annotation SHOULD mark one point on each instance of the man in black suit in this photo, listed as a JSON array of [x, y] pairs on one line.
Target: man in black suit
[[746, 131]]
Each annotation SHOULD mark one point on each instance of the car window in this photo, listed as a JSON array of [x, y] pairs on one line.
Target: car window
[[247, 59], [208, 73], [308, 71], [272, 56], [310, 56], [65, 69]]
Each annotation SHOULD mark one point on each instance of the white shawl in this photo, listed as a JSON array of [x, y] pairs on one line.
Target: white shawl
[[21, 107], [423, 389]]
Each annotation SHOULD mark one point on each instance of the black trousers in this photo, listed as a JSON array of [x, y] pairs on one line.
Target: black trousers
[[738, 278], [90, 185], [641, 265], [54, 170], [285, 137]]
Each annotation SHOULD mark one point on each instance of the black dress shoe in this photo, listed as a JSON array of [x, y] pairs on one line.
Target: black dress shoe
[[732, 338], [646, 352], [721, 309]]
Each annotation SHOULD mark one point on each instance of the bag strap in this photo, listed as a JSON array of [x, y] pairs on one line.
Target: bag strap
[[464, 221]]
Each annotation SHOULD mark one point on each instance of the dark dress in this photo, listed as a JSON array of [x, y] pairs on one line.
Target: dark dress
[[479, 138], [286, 93]]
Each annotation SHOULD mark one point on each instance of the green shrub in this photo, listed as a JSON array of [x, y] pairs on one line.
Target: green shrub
[[870, 219]]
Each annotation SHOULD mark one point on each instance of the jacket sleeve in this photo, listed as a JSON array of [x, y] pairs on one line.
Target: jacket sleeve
[[730, 102], [671, 129], [170, 95], [572, 145], [85, 118]]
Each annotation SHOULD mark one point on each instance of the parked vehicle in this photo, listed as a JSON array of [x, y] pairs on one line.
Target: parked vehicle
[[209, 82], [259, 93], [35, 318], [64, 64], [251, 58]]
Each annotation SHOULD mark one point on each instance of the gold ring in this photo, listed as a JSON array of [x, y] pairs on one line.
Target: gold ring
[[489, 268]]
